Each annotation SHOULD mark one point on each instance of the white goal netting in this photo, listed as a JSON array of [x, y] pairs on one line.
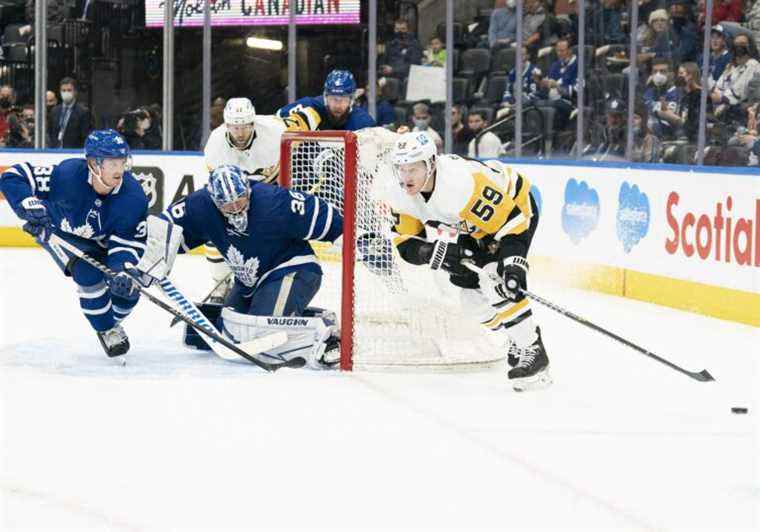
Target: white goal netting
[[393, 314]]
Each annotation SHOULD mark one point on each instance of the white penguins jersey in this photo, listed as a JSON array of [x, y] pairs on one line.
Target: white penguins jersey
[[470, 197], [260, 159]]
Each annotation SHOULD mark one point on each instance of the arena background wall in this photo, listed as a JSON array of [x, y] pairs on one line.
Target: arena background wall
[[683, 237]]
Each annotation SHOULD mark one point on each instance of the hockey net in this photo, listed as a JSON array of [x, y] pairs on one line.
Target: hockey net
[[392, 314]]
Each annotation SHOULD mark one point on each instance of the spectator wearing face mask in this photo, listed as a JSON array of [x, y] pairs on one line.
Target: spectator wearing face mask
[[421, 120], [661, 94], [403, 51], [70, 122], [687, 116], [731, 88], [502, 28], [560, 85], [488, 145]]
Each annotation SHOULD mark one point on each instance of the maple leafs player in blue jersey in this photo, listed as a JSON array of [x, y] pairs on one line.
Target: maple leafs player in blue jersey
[[97, 205], [263, 233], [333, 110]]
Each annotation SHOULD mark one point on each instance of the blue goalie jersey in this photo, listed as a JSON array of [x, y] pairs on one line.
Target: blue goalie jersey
[[310, 114], [275, 242], [114, 222]]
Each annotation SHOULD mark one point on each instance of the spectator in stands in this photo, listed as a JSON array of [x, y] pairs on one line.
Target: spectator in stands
[[435, 54], [559, 86], [70, 122], [153, 137], [133, 126], [531, 77], [661, 94], [653, 39], [607, 22], [502, 29], [688, 107], [719, 55], [386, 116], [401, 52], [461, 135], [7, 101], [533, 19], [647, 6], [673, 37], [421, 120], [21, 127], [646, 145], [487, 145], [731, 88], [609, 142], [51, 100], [683, 31]]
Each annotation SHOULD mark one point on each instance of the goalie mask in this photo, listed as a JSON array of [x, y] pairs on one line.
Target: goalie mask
[[413, 147], [230, 191]]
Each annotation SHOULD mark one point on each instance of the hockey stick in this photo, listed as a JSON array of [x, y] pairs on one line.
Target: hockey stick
[[175, 321], [203, 328], [258, 345], [702, 376]]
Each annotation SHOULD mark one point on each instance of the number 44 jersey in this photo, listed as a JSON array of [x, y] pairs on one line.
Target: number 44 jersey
[[470, 197]]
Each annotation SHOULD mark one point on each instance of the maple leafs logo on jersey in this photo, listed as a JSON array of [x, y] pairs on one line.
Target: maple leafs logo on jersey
[[244, 270], [85, 230]]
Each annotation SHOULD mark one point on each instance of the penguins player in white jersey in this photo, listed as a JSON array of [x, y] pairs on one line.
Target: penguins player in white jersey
[[490, 207], [252, 143]]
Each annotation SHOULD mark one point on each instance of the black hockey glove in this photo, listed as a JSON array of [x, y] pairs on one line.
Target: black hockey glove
[[445, 256], [514, 271]]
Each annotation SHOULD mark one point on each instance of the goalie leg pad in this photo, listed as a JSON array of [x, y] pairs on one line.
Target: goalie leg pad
[[286, 295], [307, 336], [191, 338]]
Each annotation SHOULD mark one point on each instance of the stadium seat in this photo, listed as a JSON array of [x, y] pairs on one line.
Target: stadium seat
[[495, 89], [476, 62], [461, 90], [504, 60]]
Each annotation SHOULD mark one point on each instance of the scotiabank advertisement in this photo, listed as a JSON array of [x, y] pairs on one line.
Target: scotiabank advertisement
[[694, 226]]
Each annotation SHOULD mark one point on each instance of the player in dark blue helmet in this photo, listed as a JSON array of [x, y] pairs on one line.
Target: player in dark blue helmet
[[97, 205], [333, 110]]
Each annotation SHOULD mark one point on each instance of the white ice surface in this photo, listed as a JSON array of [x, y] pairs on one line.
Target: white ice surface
[[181, 440]]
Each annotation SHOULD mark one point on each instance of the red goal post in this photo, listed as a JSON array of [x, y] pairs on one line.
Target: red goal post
[[393, 315]]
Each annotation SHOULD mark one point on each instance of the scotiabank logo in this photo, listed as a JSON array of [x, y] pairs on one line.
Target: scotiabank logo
[[719, 236]]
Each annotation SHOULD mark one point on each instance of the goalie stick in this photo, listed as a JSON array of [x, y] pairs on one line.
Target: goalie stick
[[702, 376], [56, 243], [175, 320]]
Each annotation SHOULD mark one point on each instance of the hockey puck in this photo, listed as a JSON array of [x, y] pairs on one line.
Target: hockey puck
[[739, 410]]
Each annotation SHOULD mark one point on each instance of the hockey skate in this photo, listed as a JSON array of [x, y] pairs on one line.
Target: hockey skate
[[331, 356], [529, 366], [114, 341]]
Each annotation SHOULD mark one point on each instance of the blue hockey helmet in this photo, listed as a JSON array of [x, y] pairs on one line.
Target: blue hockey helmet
[[106, 144], [340, 83], [230, 191]]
